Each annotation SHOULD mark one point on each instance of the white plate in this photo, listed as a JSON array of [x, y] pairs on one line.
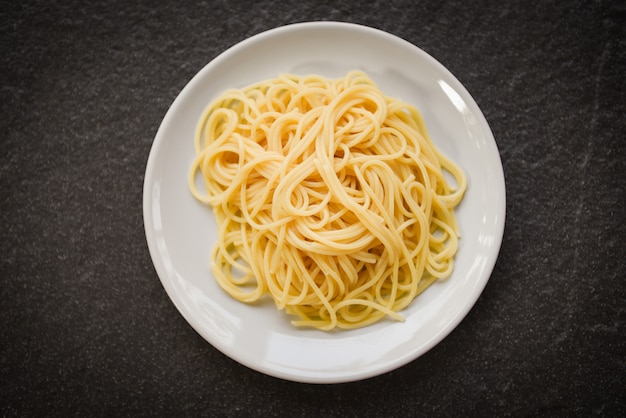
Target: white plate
[[180, 231]]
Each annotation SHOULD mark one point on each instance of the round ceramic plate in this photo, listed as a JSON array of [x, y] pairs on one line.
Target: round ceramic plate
[[180, 231]]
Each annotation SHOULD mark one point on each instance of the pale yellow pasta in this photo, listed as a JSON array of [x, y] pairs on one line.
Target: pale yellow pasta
[[329, 197]]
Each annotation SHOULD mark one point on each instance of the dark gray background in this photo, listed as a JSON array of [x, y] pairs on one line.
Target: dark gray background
[[87, 328]]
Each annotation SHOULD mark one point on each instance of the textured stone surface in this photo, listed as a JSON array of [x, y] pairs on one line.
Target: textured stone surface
[[86, 326]]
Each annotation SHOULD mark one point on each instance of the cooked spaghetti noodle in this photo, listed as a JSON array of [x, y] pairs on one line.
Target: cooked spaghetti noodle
[[329, 197]]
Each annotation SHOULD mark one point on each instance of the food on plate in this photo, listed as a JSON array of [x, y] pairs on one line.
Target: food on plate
[[329, 196]]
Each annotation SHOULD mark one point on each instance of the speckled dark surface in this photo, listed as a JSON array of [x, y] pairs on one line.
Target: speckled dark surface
[[86, 327]]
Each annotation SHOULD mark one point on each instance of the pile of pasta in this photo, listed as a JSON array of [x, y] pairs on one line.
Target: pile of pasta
[[329, 197]]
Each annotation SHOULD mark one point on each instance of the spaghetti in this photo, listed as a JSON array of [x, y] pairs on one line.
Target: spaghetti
[[329, 197]]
